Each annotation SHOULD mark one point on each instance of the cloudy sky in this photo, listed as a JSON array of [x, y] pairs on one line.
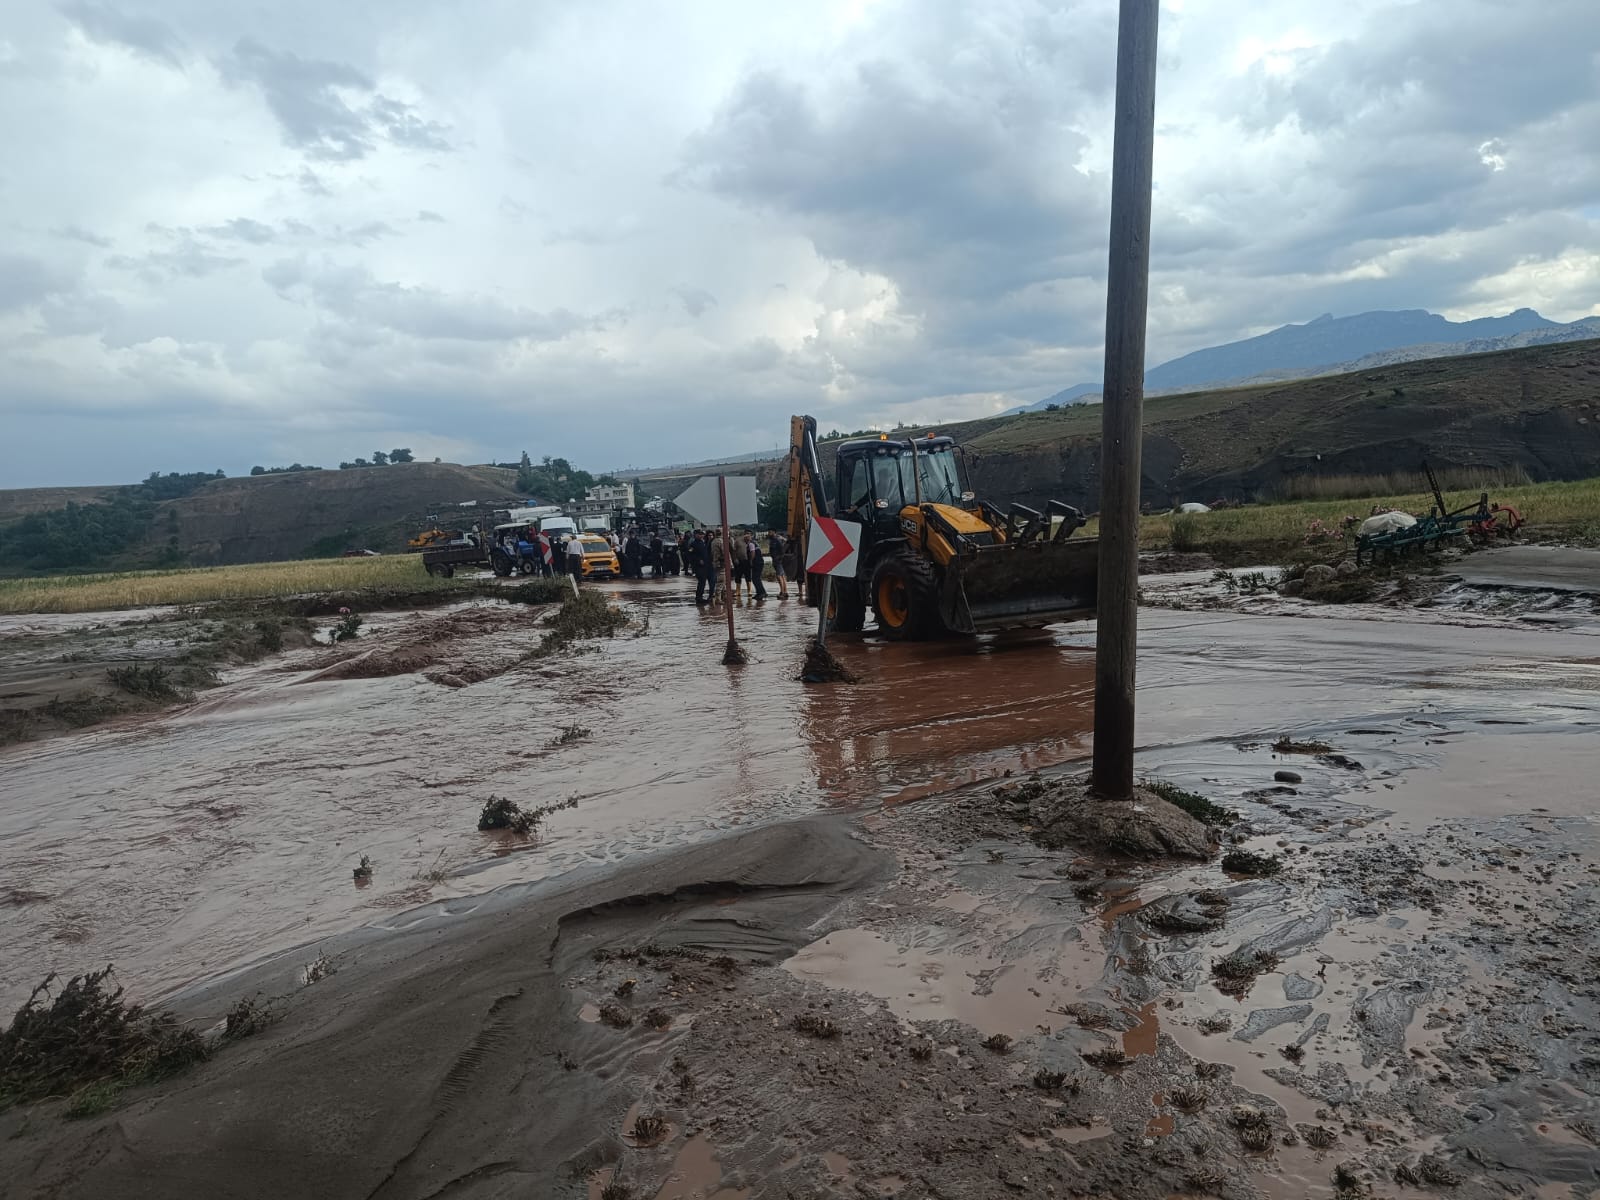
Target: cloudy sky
[[643, 232]]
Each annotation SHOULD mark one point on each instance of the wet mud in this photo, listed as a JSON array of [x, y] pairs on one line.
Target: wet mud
[[910, 996]]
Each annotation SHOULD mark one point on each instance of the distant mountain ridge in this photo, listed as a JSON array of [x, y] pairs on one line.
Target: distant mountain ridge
[[1329, 345]]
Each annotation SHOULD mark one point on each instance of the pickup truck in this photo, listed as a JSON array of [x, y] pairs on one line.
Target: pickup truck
[[463, 552]]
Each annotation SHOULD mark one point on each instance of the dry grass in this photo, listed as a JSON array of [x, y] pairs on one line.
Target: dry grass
[[1265, 532], [141, 589]]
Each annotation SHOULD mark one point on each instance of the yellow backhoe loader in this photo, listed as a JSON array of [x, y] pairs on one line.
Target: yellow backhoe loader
[[935, 559]]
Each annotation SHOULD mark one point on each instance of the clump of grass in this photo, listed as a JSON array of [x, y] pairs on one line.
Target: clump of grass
[[1196, 805], [1237, 971], [1319, 1137], [1247, 862], [1187, 533], [501, 812], [625, 988], [435, 872], [150, 681], [1294, 1052], [616, 1190], [658, 1018], [921, 1050], [586, 615], [319, 969], [86, 1041], [1215, 1023], [269, 636], [1438, 1173], [364, 871], [1189, 1097], [1255, 1138], [348, 627], [1049, 1081], [1000, 1043], [649, 1129], [571, 734], [544, 590], [1204, 1179], [1288, 745], [1109, 1059], [615, 1015], [1171, 920], [815, 1025], [250, 1015]]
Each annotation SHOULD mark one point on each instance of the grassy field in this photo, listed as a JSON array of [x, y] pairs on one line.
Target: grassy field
[[140, 589], [1266, 532]]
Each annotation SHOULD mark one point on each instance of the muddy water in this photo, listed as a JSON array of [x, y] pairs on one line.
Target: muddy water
[[181, 846]]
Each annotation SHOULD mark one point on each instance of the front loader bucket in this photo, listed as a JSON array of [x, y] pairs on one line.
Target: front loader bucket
[[1012, 586]]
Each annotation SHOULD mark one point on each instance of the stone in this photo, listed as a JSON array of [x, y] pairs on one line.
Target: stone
[[1288, 776], [1291, 587], [1347, 568], [1318, 574]]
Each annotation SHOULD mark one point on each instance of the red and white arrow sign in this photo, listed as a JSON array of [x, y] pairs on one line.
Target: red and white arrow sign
[[832, 547]]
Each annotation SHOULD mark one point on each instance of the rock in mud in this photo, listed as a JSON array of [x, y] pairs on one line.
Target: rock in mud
[[1319, 575], [1265, 1019], [1145, 827], [1288, 776], [1291, 587]]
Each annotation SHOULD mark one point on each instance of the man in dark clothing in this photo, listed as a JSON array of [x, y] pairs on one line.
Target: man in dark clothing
[[700, 564], [758, 566], [669, 556], [656, 570]]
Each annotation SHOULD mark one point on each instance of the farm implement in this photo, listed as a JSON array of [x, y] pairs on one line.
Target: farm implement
[[1395, 534]]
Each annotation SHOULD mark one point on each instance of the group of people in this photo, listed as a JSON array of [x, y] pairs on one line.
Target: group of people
[[720, 575]]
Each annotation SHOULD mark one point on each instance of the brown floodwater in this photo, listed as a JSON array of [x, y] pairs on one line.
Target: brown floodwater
[[181, 846]]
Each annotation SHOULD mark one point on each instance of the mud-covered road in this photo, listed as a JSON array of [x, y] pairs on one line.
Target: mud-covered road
[[1426, 999]]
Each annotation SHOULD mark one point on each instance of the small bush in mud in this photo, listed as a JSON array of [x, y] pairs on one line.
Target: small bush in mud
[[1000, 1043], [1237, 971], [1210, 1070], [1172, 920], [921, 1050], [649, 1129], [625, 988], [1255, 1138], [725, 962], [319, 969], [1204, 1179], [1187, 533], [86, 1041], [501, 812], [615, 1015], [1109, 1059], [151, 682], [250, 1015], [349, 625], [1319, 1137], [1210, 898], [586, 615], [1435, 1172], [1216, 1023], [658, 1018], [269, 636], [1347, 1182], [364, 871], [1049, 1081], [571, 734], [1196, 805], [814, 1025], [1294, 1052], [1190, 1097], [1287, 745], [616, 1190], [1246, 862]]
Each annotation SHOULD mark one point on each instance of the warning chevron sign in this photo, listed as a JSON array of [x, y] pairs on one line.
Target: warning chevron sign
[[832, 546]]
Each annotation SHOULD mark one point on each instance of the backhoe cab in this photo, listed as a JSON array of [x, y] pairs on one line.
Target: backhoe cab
[[935, 559]]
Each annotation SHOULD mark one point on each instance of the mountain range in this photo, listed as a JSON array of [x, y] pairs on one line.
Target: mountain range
[[1331, 345]]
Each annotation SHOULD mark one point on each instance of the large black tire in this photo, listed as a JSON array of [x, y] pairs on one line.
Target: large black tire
[[905, 598], [430, 568], [501, 564], [448, 570], [847, 611]]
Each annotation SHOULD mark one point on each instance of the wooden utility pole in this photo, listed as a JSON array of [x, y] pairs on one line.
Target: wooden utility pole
[[1122, 414]]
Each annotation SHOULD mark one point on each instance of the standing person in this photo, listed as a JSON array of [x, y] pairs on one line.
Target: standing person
[[758, 567], [575, 557], [739, 567], [657, 565], [777, 547], [699, 560], [717, 555]]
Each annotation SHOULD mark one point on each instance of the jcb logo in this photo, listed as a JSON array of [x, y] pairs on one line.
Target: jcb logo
[[908, 527]]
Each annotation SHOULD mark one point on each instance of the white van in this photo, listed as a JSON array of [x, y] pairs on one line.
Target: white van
[[558, 524]]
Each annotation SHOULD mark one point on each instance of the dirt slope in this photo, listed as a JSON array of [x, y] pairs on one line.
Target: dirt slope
[[1536, 408]]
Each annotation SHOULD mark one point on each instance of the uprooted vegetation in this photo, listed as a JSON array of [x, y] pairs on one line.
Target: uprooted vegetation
[[87, 1043], [1196, 805], [501, 812], [1247, 862], [586, 615], [1290, 745]]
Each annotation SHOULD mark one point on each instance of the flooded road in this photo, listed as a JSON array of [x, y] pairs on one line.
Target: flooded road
[[181, 846]]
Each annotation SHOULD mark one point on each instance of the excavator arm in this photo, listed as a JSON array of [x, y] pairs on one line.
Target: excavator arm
[[808, 490]]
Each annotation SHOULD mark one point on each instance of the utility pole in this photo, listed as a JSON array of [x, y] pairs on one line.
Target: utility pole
[[1122, 413]]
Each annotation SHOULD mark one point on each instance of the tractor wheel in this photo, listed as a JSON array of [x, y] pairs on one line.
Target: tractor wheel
[[905, 598], [448, 570], [430, 568], [846, 611], [501, 565]]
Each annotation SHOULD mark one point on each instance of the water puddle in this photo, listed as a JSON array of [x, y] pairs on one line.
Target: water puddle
[[696, 1175]]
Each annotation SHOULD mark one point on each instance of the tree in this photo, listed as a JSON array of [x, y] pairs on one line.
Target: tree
[[258, 470], [379, 458], [772, 509], [402, 455], [526, 464]]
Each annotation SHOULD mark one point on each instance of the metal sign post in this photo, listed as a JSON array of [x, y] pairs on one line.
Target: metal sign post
[[832, 548], [727, 557], [1127, 296]]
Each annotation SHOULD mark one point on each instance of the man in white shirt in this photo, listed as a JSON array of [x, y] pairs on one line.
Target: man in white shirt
[[575, 557]]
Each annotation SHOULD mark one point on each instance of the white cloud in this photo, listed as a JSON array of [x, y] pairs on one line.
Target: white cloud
[[626, 232]]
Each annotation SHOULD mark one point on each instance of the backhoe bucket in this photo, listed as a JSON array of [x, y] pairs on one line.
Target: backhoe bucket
[[1011, 586]]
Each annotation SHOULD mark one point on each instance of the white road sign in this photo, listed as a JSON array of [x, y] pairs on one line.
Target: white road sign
[[832, 547], [700, 500]]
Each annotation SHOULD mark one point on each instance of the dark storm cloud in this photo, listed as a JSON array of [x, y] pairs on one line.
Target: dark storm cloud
[[316, 105], [353, 294], [145, 36], [26, 281]]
